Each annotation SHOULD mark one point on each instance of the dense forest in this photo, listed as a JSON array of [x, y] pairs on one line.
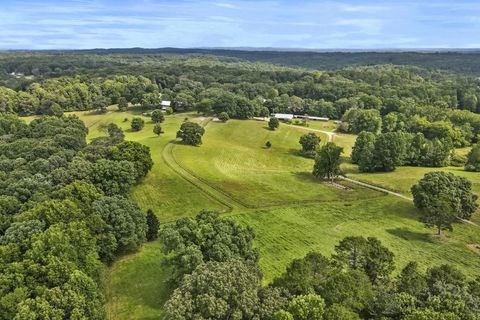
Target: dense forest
[[64, 211], [457, 61]]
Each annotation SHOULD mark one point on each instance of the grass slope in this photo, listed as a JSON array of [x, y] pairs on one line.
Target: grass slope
[[170, 196], [136, 285], [233, 158], [287, 233]]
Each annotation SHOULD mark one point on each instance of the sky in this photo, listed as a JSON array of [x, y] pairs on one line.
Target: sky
[[347, 24]]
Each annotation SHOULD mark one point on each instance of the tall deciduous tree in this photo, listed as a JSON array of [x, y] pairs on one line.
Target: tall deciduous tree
[[441, 196], [205, 238], [273, 123], [137, 124], [157, 116], [122, 104], [191, 133], [473, 159], [216, 291], [327, 161], [309, 142]]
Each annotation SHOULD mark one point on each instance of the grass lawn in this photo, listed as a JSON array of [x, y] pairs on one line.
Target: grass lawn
[[321, 125], [234, 159], [287, 233], [135, 285], [170, 196], [403, 178]]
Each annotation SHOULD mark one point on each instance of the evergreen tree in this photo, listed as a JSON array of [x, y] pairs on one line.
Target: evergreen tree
[[152, 225]]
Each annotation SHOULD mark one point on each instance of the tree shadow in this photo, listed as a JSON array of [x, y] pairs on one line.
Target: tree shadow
[[407, 234], [306, 176]]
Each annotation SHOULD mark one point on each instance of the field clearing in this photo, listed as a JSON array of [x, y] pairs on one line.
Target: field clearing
[[136, 285], [162, 190], [403, 178], [239, 164], [287, 233]]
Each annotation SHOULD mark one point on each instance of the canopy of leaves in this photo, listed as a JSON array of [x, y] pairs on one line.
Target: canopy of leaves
[[191, 133], [205, 238]]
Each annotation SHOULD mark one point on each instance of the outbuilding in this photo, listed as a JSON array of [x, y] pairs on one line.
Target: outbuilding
[[283, 116], [165, 104]]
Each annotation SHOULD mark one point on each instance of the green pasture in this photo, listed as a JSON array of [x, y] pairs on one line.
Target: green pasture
[[271, 190]]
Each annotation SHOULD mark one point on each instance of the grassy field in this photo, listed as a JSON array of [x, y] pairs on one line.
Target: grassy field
[[287, 233], [162, 190], [403, 178], [239, 164], [272, 191], [136, 285]]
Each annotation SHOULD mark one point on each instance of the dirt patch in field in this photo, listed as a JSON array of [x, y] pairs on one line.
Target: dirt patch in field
[[337, 185], [475, 247]]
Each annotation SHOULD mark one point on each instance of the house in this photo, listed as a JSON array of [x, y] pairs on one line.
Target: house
[[165, 104], [283, 116]]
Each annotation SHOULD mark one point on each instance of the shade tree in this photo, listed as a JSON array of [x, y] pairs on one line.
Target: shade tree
[[191, 133], [442, 197], [309, 142], [137, 124], [157, 116], [273, 123], [206, 237], [327, 161]]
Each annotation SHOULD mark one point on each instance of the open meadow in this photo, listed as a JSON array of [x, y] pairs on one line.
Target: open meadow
[[271, 190]]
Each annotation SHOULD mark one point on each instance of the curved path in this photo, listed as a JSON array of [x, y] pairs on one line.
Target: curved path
[[211, 191], [329, 134]]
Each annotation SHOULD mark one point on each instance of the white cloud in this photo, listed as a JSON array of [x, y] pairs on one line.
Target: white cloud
[[226, 5]]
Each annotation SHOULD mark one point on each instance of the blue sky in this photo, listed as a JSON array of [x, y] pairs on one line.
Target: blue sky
[[349, 24]]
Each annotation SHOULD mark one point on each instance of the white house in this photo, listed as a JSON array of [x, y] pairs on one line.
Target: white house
[[165, 104]]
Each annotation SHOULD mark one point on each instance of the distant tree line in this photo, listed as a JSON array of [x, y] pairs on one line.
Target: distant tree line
[[378, 98]]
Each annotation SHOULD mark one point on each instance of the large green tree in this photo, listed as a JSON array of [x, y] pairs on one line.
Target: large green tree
[[441, 195], [137, 124], [216, 291], [157, 116], [327, 161], [273, 123], [193, 241], [191, 133], [473, 159], [309, 142], [125, 228]]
